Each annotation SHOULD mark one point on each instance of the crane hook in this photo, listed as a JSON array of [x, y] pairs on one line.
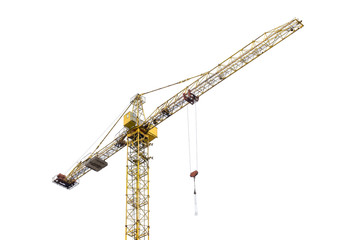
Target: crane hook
[[193, 175]]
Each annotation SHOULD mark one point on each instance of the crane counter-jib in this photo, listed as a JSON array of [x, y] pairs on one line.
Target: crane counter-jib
[[190, 94], [95, 161]]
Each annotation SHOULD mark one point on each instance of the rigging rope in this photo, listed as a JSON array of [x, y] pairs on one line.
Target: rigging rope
[[86, 153], [189, 139], [195, 201], [200, 75], [188, 126], [195, 172], [196, 139], [118, 119]]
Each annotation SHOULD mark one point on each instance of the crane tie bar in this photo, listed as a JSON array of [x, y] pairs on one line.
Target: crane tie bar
[[200, 75]]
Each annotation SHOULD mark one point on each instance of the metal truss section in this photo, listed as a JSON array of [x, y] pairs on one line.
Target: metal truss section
[[137, 186], [222, 71], [139, 131], [111, 148], [106, 152], [201, 84]]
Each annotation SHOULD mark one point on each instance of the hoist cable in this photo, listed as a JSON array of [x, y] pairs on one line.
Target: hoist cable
[[195, 205], [197, 160], [196, 139], [196, 150], [188, 127]]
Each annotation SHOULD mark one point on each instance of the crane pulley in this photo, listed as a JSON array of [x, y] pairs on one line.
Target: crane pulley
[[139, 131], [190, 97]]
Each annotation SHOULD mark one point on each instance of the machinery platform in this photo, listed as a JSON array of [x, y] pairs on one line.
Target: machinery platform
[[61, 180]]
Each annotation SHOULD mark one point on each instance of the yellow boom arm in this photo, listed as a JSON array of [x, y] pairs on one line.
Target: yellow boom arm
[[190, 94], [222, 71]]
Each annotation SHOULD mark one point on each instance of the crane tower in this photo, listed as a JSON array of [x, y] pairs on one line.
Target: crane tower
[[139, 131]]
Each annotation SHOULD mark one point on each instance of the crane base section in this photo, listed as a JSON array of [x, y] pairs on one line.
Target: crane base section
[[96, 163], [61, 180]]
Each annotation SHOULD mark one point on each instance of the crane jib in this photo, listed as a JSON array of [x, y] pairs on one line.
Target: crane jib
[[225, 69], [190, 94]]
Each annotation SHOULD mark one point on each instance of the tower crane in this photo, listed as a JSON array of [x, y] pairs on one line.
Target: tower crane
[[139, 131]]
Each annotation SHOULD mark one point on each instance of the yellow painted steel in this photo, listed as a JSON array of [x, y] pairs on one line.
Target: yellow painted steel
[[130, 120], [137, 178], [202, 83], [139, 131], [205, 82], [152, 133]]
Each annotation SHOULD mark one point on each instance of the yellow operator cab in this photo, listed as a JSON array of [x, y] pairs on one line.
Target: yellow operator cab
[[130, 122]]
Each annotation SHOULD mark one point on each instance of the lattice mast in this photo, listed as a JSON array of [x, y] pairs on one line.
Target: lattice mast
[[139, 131], [137, 175]]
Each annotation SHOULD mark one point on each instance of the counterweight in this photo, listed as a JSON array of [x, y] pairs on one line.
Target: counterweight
[[139, 131]]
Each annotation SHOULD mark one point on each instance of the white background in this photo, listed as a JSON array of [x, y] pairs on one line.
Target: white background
[[278, 141]]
